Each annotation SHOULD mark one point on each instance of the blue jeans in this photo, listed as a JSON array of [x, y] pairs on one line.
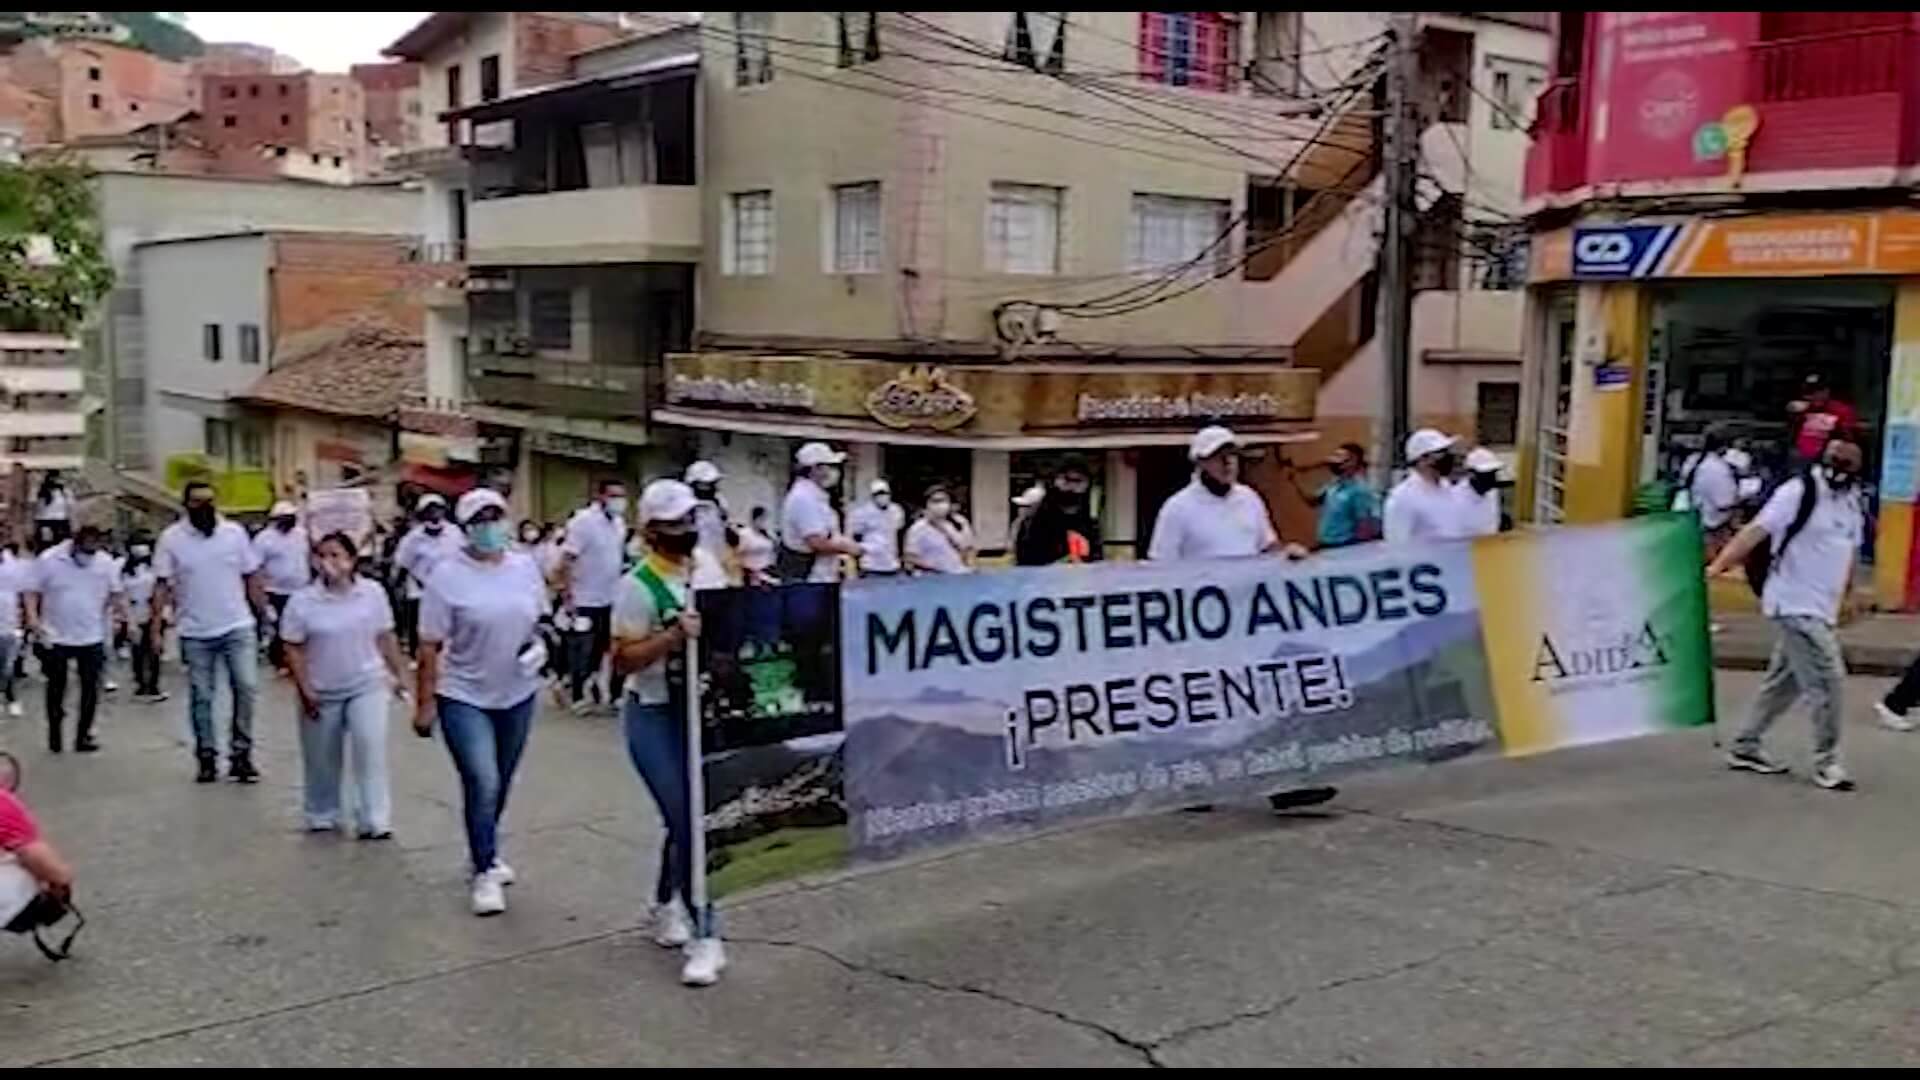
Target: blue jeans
[[359, 719], [657, 742], [486, 746], [239, 651]]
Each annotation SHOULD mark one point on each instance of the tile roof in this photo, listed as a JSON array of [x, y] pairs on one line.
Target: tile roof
[[360, 371]]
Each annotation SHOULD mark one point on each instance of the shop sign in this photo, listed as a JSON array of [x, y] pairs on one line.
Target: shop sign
[[1620, 251], [561, 444], [1611, 377], [921, 396], [750, 392], [1154, 408]]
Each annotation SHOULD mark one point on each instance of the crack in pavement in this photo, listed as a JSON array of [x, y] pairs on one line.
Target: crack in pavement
[[1894, 973]]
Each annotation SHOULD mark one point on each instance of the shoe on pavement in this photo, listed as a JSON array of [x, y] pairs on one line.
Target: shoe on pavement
[[86, 746], [1301, 798], [209, 771], [158, 696], [671, 927], [1755, 761], [488, 897], [376, 834], [108, 686], [1891, 720], [14, 708], [706, 959], [241, 771], [503, 873], [1832, 776]]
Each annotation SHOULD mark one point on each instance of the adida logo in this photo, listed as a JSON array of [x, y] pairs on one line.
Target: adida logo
[[1603, 647]]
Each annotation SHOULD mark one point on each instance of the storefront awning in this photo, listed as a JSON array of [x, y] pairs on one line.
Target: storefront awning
[[798, 427]]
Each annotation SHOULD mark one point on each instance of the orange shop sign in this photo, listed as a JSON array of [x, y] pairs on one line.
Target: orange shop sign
[[1797, 245]]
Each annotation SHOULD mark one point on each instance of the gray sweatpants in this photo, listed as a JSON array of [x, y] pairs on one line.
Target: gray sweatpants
[[1806, 660]]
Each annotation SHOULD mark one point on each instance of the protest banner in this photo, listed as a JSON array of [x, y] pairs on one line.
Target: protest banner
[[344, 510], [988, 704], [770, 733]]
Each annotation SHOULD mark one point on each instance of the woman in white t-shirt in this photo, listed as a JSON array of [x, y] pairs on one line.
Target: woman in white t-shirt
[[653, 620], [137, 580], [940, 541], [345, 663], [480, 662], [756, 550]]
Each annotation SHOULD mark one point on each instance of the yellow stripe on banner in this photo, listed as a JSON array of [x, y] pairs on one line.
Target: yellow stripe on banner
[[1511, 587]]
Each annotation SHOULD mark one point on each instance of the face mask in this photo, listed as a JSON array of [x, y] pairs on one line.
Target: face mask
[[678, 543], [283, 524], [140, 551], [882, 500], [1484, 482], [203, 518], [829, 477], [530, 537], [1217, 487], [706, 492], [434, 525], [939, 508], [1841, 479], [488, 537], [615, 506], [82, 557], [1444, 464]]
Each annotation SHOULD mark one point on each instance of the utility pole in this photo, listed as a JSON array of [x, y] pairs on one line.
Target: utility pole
[[1401, 139]]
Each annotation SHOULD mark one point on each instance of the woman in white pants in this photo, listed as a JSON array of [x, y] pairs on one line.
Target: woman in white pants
[[345, 662]]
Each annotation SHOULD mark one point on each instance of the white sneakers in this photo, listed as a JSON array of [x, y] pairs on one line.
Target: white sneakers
[[14, 708], [706, 959], [503, 873], [1890, 719], [489, 896], [671, 927]]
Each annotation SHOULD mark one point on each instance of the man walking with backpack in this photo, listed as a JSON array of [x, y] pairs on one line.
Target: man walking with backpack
[[1804, 544]]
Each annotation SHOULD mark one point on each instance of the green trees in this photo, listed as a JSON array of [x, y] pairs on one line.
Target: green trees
[[53, 262]]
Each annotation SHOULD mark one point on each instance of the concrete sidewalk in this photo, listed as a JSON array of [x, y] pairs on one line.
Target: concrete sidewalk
[[1876, 644]]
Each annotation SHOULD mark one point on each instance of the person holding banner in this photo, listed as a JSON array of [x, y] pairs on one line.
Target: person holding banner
[[1424, 506], [1812, 525], [480, 661], [653, 621]]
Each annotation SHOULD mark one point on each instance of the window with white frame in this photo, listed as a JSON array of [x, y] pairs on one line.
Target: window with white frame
[[1167, 232], [1023, 229], [856, 229], [1513, 87], [858, 35], [752, 59], [1200, 49], [1038, 40], [749, 239]]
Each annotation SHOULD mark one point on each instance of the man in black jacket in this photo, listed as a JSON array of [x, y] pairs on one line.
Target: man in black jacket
[[1063, 514]]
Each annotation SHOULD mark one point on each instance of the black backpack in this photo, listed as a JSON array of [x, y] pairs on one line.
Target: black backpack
[[1760, 560]]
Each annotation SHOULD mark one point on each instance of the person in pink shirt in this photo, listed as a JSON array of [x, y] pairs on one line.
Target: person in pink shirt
[[1819, 418], [34, 876]]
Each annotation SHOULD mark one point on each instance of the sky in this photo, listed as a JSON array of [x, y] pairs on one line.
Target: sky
[[321, 40]]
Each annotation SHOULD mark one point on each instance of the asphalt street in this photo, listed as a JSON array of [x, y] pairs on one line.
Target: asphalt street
[[1628, 904]]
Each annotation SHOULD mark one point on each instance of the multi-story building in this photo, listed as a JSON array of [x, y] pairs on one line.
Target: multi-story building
[[135, 208], [391, 93], [219, 313], [98, 87], [242, 58], [317, 115], [967, 243], [1719, 203], [43, 424]]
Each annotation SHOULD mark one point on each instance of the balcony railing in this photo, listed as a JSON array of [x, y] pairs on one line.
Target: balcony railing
[[561, 387], [437, 251], [1844, 64]]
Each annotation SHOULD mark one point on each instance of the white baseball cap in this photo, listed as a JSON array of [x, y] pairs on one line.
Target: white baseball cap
[[283, 508], [1482, 459], [817, 453], [703, 472], [1210, 440], [1031, 496], [430, 499], [879, 486], [666, 500], [1427, 441], [475, 501]]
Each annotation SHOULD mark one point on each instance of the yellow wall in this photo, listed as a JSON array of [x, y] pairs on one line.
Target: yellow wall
[[1604, 441]]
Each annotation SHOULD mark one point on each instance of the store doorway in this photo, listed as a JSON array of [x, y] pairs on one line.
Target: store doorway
[[911, 470]]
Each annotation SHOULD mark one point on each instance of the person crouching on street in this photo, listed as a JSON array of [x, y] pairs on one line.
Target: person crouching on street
[[345, 661], [480, 661], [653, 620], [1815, 537]]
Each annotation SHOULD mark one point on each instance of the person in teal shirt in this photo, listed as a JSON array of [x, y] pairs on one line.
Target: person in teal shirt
[[1349, 507]]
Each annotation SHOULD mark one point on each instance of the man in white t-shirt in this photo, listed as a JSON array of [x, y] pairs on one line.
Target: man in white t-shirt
[[713, 522], [210, 585], [1479, 493], [940, 540], [1710, 486], [74, 589], [286, 567], [431, 539], [875, 525], [811, 543], [1424, 506], [16, 580], [595, 553], [1215, 516], [1815, 537]]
